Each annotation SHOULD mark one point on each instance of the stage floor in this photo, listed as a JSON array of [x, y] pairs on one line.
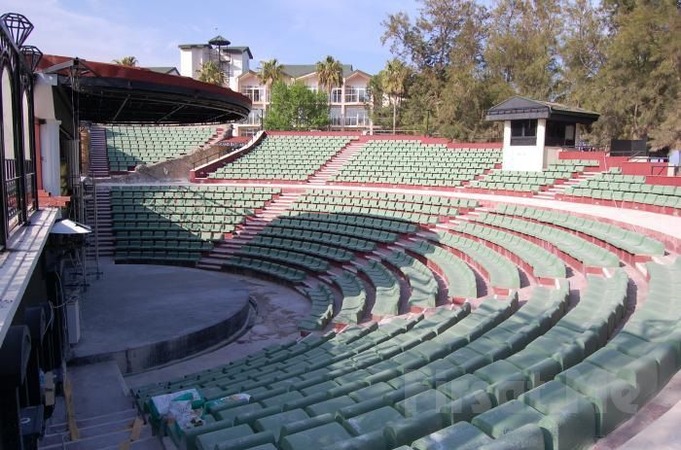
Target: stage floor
[[144, 315]]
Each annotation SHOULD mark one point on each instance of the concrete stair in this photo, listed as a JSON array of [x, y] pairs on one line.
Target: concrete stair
[[551, 192], [97, 415], [99, 159], [98, 216], [248, 230], [335, 164]]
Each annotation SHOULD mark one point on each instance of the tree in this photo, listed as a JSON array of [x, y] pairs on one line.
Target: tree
[[380, 113], [128, 61], [296, 107], [211, 72], [640, 79], [270, 72], [443, 46], [668, 133], [522, 48], [582, 44], [427, 41], [393, 81], [329, 74]]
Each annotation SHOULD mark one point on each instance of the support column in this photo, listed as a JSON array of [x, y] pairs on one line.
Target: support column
[[50, 155]]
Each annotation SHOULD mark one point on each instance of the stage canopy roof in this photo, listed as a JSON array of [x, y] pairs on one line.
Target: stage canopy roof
[[111, 93]]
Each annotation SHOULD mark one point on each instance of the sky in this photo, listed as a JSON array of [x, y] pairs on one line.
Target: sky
[[292, 31]]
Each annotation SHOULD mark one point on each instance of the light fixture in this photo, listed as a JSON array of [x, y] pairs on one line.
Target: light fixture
[[18, 26], [32, 56]]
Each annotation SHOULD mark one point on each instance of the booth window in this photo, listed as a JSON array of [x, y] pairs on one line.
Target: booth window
[[560, 134], [524, 132]]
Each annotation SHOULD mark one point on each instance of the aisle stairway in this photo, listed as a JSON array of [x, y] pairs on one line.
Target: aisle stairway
[[99, 160], [335, 164], [101, 222], [556, 189], [97, 414], [248, 230]]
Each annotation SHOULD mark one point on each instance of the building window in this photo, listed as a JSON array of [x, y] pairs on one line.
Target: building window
[[335, 117], [255, 117], [336, 95], [524, 132], [355, 94], [253, 92], [248, 132], [356, 118], [559, 134]]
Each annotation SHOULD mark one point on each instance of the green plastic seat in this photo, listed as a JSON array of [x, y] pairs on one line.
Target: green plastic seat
[[570, 419], [614, 399], [372, 420], [208, 441], [460, 436], [505, 418], [323, 436]]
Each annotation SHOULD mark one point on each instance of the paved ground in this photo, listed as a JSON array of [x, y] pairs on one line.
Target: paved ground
[[278, 312], [132, 306]]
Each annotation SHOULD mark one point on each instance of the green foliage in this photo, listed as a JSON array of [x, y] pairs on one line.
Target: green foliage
[[129, 61], [211, 73], [621, 58], [640, 79], [295, 107], [393, 81], [270, 71], [329, 73]]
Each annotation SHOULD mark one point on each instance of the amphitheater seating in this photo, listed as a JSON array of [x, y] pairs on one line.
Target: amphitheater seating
[[416, 208], [353, 304], [653, 330], [459, 277], [311, 248], [290, 258], [424, 287], [570, 411], [400, 371], [367, 228], [386, 287], [503, 376], [322, 369], [292, 158], [506, 375], [544, 263], [175, 224], [531, 182], [320, 315], [584, 252], [502, 273], [630, 191], [129, 146], [286, 229], [393, 161], [629, 241], [249, 264]]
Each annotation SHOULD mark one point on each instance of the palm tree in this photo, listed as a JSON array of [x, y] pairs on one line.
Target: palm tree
[[211, 72], [393, 81], [269, 73], [330, 75], [129, 61]]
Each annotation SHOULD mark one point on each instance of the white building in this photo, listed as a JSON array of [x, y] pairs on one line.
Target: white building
[[348, 103], [535, 131]]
